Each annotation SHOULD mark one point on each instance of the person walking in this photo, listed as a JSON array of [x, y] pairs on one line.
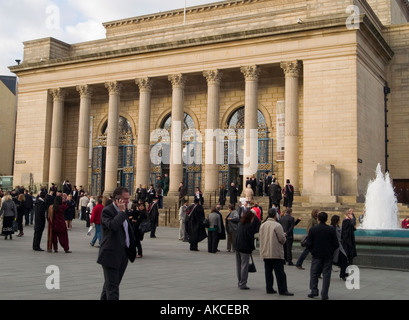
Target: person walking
[[9, 213], [118, 243], [322, 242], [311, 223], [249, 225], [40, 210], [232, 224], [57, 228], [96, 220], [272, 239]]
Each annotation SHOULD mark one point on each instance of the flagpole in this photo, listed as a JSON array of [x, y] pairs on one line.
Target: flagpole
[[184, 19]]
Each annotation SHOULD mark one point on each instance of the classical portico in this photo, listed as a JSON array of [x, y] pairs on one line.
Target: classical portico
[[205, 99]]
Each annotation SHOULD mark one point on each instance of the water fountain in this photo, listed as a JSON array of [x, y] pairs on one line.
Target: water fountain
[[381, 205]]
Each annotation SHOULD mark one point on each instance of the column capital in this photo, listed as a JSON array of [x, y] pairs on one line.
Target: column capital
[[114, 87], [178, 80], [58, 94], [144, 84], [213, 76], [251, 73], [85, 91], [291, 68]]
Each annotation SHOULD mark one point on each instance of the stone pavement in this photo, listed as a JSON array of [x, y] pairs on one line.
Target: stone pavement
[[168, 271]]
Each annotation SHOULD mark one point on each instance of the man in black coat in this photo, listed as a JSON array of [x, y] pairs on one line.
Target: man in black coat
[[288, 223], [118, 243], [195, 225], [322, 241], [39, 220]]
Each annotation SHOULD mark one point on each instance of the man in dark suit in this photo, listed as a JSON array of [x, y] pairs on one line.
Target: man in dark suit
[[118, 243], [288, 223], [322, 241]]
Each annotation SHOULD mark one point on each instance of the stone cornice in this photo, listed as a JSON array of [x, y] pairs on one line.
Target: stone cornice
[[178, 12], [336, 22]]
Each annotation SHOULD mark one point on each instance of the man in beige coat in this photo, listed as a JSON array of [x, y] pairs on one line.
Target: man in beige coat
[[272, 238]]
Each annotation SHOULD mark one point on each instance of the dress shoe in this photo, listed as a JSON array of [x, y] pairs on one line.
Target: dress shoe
[[286, 293]]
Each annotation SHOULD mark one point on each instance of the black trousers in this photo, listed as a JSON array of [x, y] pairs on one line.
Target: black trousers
[[276, 265], [212, 241], [38, 233], [113, 278]]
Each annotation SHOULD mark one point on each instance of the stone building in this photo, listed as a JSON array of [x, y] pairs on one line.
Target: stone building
[[8, 104], [309, 77]]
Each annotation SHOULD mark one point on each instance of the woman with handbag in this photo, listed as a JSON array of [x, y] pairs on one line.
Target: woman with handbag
[[248, 227], [9, 213]]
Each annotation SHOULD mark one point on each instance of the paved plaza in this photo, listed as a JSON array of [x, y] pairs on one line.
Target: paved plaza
[[168, 271]]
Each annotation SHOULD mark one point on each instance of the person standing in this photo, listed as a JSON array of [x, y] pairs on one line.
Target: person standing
[[348, 235], [322, 242], [288, 223], [153, 215], [340, 257], [272, 239], [39, 220], [213, 231], [195, 225], [182, 221], [249, 225], [9, 213], [288, 194], [57, 228], [118, 243], [232, 223]]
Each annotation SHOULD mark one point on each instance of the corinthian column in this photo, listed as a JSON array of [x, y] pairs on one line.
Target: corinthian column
[[250, 164], [83, 136], [57, 127], [176, 163], [143, 147], [111, 167], [213, 78], [291, 159]]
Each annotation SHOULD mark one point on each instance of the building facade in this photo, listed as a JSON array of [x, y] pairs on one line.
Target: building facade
[[299, 87], [8, 105]]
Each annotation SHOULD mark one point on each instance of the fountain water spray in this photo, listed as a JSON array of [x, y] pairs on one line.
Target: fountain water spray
[[381, 205]]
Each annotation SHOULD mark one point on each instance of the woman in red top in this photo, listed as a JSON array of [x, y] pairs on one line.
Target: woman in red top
[[96, 220], [57, 228]]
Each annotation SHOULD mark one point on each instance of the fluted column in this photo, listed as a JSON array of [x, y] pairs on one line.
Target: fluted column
[[57, 127], [176, 161], [250, 164], [111, 166], [292, 71], [143, 146], [213, 78], [83, 136]]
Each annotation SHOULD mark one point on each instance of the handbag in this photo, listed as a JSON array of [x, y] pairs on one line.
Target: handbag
[[304, 240], [145, 226], [252, 266]]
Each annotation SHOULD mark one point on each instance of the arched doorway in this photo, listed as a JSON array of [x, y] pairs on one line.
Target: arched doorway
[[232, 169], [126, 158], [160, 152]]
